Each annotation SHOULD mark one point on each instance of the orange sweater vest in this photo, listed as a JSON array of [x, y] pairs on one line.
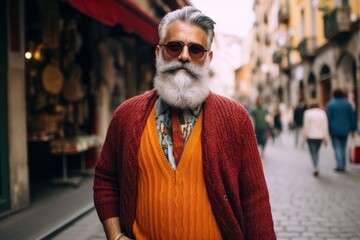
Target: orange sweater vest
[[172, 204]]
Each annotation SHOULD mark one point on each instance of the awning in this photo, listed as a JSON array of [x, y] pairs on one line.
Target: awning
[[175, 4], [123, 12]]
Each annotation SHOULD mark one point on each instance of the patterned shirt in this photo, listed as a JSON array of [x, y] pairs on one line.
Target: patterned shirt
[[188, 118]]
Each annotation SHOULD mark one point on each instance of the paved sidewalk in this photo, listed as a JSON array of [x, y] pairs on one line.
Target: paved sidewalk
[[304, 207], [53, 208], [86, 228]]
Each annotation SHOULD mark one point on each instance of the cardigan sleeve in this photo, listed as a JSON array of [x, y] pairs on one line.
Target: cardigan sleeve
[[106, 192], [253, 189], [115, 181], [233, 172]]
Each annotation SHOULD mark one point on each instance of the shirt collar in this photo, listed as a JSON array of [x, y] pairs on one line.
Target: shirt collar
[[162, 106]]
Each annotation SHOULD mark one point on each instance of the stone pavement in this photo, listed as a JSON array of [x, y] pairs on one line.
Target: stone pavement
[[304, 207], [52, 208], [86, 228]]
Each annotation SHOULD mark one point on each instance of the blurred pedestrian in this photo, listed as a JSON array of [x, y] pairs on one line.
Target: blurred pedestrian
[[278, 126], [298, 120], [206, 180], [341, 117], [248, 105], [259, 115], [315, 132]]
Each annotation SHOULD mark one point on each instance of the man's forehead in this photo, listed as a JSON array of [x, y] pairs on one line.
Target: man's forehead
[[185, 31]]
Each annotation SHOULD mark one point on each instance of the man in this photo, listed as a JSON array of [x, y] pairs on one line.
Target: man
[[298, 120], [150, 186], [259, 116], [342, 121]]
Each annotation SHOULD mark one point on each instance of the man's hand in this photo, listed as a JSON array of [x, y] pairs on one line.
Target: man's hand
[[112, 228]]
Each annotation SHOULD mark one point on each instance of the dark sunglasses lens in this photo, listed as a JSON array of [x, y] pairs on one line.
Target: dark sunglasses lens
[[196, 50], [174, 48]]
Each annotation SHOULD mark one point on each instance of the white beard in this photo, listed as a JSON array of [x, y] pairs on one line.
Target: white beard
[[182, 88]]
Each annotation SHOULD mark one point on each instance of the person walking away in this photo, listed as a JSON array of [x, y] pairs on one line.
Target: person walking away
[[181, 162], [315, 132], [341, 117], [259, 116], [278, 126], [298, 120]]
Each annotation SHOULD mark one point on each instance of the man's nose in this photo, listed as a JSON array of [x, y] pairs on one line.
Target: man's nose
[[184, 55]]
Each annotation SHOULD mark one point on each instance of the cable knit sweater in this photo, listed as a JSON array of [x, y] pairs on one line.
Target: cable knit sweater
[[232, 168]]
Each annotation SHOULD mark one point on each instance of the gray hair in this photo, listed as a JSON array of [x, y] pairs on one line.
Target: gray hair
[[191, 15]]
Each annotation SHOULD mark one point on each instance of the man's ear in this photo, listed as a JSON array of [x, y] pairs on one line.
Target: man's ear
[[211, 55], [157, 50]]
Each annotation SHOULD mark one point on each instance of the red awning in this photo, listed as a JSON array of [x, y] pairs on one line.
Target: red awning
[[124, 12], [175, 4]]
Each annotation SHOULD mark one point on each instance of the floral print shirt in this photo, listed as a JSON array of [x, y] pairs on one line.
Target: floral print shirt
[[187, 117]]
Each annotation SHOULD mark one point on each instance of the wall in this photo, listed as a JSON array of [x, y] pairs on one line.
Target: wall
[[19, 177], [229, 53]]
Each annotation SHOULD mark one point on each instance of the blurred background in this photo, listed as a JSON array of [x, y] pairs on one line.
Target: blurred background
[[65, 65]]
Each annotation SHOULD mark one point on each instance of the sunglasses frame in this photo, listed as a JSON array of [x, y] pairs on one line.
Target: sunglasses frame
[[192, 54]]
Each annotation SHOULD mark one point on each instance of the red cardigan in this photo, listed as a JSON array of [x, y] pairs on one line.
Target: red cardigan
[[232, 168]]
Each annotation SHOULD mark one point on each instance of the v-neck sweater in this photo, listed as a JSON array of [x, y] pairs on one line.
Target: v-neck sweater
[[232, 167], [172, 204]]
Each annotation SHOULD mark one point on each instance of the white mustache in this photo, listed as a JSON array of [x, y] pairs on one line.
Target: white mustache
[[173, 67]]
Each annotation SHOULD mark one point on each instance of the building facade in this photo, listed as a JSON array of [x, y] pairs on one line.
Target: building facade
[[317, 50]]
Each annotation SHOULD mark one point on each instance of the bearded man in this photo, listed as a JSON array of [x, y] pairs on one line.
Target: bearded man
[[181, 162]]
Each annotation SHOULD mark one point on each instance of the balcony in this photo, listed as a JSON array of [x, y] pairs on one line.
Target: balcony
[[337, 23], [284, 15], [307, 48], [281, 57]]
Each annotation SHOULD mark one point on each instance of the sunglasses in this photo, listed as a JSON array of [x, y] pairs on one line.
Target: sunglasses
[[175, 48]]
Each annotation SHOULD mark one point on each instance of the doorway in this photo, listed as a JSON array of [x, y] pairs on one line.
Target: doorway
[[325, 79], [4, 159]]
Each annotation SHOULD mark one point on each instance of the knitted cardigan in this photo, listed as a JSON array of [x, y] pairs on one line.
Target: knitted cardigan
[[233, 170]]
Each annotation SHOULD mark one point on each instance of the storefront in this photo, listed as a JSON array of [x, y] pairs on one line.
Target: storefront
[[78, 70], [59, 95]]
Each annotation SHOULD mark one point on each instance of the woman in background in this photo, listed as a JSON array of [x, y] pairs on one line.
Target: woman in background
[[315, 131]]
